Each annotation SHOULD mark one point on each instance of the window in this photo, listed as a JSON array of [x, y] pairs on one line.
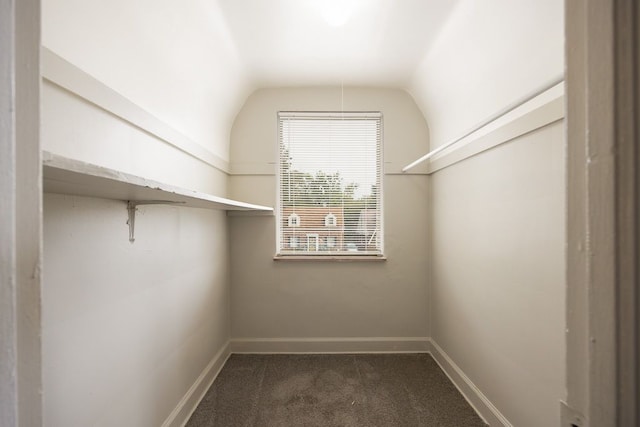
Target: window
[[294, 220], [312, 242], [330, 220], [330, 183]]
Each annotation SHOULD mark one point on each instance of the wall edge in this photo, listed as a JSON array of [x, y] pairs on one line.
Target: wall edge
[[190, 401], [330, 345], [69, 77], [473, 395]]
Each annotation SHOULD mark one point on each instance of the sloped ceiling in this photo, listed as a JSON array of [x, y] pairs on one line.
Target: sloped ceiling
[[330, 42], [461, 60], [489, 54], [194, 63]]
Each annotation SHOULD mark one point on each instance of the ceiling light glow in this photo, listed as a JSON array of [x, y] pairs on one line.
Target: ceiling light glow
[[337, 12]]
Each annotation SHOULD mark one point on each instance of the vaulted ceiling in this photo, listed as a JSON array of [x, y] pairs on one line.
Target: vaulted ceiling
[[330, 42], [461, 60], [194, 63]]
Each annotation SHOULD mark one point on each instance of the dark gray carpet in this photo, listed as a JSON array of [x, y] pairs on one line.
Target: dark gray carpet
[[333, 390]]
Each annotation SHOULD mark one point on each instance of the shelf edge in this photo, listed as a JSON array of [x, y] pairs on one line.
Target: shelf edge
[[71, 174]]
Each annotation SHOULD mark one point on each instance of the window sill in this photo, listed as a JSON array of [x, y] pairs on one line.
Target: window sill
[[333, 258]]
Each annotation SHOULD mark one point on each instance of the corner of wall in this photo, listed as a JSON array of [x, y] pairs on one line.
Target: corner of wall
[[189, 402], [478, 401]]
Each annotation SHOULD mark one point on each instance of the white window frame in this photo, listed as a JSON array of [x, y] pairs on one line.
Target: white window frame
[[330, 220], [373, 252], [293, 220], [315, 237]]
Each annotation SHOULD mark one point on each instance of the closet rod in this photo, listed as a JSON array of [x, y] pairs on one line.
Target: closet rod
[[485, 122]]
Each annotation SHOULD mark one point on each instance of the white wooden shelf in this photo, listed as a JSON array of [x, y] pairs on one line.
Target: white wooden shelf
[[62, 175], [68, 176]]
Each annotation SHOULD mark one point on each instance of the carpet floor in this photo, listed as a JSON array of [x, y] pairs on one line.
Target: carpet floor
[[333, 390]]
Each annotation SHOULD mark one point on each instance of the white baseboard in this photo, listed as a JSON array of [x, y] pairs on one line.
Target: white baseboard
[[180, 415], [478, 401], [330, 345], [481, 404]]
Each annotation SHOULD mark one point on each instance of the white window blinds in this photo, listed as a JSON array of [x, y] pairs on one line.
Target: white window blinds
[[330, 182]]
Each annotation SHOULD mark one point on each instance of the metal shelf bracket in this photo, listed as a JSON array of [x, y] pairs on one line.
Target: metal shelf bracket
[[131, 213]]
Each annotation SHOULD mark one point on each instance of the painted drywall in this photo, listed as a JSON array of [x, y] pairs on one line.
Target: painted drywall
[[287, 299], [377, 42], [498, 290], [128, 328], [178, 63], [8, 212], [75, 128], [20, 215], [488, 54], [158, 57], [135, 323]]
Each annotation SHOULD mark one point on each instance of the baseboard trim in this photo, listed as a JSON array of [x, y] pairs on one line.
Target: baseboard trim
[[330, 345], [190, 401], [478, 401]]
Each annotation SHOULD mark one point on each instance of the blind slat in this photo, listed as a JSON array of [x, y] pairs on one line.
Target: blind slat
[[330, 183]]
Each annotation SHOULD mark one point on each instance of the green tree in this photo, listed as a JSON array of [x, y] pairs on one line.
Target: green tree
[[320, 189]]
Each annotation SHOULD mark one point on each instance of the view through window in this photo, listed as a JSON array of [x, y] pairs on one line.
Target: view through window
[[330, 183]]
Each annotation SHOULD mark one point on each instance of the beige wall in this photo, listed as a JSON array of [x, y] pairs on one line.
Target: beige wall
[[286, 299], [498, 217], [139, 322], [175, 61], [20, 214], [498, 290], [488, 55], [128, 328], [154, 313], [74, 127], [136, 324]]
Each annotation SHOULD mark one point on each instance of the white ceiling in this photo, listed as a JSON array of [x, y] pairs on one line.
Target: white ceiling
[[301, 42]]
